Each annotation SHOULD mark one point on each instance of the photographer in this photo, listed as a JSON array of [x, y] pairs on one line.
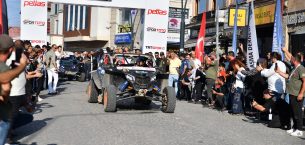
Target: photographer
[[271, 106], [6, 48], [18, 97]]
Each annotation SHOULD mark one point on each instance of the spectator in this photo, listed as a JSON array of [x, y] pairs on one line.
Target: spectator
[[138, 51], [220, 93], [270, 105], [52, 70], [237, 103], [158, 59], [163, 61], [6, 48], [211, 75], [295, 89], [222, 71], [277, 85], [185, 64], [18, 95], [195, 62], [199, 85], [174, 64], [185, 85]]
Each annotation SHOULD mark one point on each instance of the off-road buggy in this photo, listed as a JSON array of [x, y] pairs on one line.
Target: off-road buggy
[[126, 76]]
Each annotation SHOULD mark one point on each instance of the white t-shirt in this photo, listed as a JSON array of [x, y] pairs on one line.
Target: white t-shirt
[[58, 57], [18, 84], [276, 82]]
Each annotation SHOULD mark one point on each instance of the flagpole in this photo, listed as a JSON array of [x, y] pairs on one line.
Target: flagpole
[[217, 29], [234, 43]]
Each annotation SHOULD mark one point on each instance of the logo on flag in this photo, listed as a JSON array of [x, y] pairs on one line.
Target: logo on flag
[[252, 47]]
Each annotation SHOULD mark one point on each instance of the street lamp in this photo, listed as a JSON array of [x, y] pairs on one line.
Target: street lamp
[[182, 25]]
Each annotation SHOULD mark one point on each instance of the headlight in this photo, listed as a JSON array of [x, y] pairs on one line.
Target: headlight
[[130, 78], [153, 78]]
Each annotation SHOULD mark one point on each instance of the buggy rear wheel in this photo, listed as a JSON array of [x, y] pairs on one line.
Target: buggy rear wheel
[[109, 99], [92, 92], [169, 100]]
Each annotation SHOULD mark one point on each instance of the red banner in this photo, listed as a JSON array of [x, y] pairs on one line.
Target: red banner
[[199, 51]]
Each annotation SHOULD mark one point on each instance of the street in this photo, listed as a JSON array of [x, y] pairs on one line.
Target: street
[[67, 119]]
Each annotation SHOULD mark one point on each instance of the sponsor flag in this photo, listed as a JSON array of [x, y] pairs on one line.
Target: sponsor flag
[[234, 43], [278, 30], [3, 17], [252, 48], [199, 50]]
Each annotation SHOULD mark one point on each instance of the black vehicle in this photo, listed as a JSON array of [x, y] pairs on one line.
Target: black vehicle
[[125, 76], [72, 69]]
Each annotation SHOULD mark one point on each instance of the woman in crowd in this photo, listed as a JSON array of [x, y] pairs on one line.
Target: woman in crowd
[[238, 66]]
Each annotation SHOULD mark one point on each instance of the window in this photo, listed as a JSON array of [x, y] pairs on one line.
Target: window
[[76, 18], [71, 18]]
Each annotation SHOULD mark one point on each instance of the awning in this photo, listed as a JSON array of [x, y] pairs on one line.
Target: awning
[[209, 41]]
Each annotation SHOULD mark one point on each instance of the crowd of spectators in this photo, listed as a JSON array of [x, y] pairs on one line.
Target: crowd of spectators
[[273, 91], [25, 70]]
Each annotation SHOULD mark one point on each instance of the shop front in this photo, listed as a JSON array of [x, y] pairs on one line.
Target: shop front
[[296, 30], [264, 20]]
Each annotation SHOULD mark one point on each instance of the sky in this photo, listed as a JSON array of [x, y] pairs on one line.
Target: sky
[[13, 10]]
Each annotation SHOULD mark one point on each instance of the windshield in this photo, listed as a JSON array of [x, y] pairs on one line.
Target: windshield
[[133, 60]]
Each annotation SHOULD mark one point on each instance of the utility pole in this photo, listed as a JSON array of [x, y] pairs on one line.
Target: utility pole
[[217, 28], [182, 25], [134, 14]]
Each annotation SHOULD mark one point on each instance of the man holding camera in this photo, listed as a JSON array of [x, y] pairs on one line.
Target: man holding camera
[[6, 48]]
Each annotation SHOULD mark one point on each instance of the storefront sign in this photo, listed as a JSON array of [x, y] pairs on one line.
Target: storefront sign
[[122, 38], [33, 24], [174, 22], [124, 28], [264, 15], [296, 18], [241, 17]]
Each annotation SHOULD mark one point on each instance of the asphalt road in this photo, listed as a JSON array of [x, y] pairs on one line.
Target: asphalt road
[[67, 119]]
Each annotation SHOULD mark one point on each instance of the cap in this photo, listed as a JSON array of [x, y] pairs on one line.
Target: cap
[[6, 42]]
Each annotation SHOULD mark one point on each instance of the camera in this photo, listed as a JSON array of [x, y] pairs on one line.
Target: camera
[[18, 53]]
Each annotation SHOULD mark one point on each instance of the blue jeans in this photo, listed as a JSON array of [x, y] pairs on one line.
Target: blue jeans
[[173, 79], [4, 127]]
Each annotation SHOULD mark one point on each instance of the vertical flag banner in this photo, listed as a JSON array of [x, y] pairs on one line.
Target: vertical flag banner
[[3, 17], [199, 50], [278, 30], [252, 47], [34, 21], [234, 43]]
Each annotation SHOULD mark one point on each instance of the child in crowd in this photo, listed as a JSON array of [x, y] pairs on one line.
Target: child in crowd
[[219, 93]]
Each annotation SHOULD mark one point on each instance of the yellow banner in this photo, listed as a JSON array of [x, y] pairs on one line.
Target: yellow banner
[[241, 18], [264, 15]]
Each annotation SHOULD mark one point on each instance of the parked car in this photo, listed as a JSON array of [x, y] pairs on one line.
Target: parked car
[[71, 69], [124, 76]]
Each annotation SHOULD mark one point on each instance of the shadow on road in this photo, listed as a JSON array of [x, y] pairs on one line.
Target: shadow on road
[[130, 104], [41, 106], [30, 129]]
